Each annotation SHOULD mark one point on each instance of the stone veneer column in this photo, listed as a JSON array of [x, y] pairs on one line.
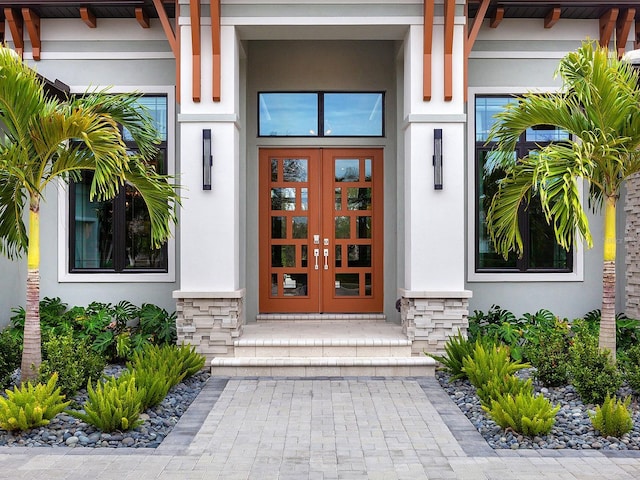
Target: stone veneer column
[[430, 318], [632, 257], [210, 321]]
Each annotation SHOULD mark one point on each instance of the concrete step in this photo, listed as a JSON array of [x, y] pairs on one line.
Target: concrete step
[[323, 366], [322, 347]]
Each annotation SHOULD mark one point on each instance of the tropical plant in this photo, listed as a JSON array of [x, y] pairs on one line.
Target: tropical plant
[[548, 352], [598, 107], [10, 353], [489, 362], [29, 406], [48, 140], [524, 413], [613, 418], [456, 348]]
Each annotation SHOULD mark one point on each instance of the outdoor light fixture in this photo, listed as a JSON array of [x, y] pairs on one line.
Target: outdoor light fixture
[[207, 159], [437, 158]]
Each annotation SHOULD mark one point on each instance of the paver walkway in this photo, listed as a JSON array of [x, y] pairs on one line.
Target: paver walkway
[[321, 428]]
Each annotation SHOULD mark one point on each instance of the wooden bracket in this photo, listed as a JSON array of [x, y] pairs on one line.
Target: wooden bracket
[[88, 17], [496, 18], [32, 21], [623, 27], [429, 8], [449, 20], [142, 18], [166, 26], [16, 27], [196, 55], [216, 41], [607, 24], [552, 17]]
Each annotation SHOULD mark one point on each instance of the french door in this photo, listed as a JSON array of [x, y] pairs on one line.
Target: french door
[[321, 230]]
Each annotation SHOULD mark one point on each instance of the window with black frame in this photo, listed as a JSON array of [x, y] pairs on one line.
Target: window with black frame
[[115, 236], [541, 251]]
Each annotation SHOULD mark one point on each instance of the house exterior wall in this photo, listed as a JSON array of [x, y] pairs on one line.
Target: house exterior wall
[[503, 62]]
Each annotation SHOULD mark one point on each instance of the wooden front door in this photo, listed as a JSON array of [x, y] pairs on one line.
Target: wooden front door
[[321, 230]]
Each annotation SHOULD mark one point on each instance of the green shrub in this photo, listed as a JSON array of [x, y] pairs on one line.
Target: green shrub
[[550, 356], [613, 419], [31, 405], [457, 347], [489, 362], [593, 375], [506, 385], [10, 356], [73, 361], [158, 324], [113, 405], [631, 368], [524, 413], [627, 329], [154, 383]]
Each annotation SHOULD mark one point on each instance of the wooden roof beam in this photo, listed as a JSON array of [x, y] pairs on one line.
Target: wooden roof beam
[[32, 20], [16, 27], [168, 29], [449, 20], [216, 41], [607, 24], [196, 54], [473, 34], [497, 17], [552, 17], [429, 12], [142, 18], [88, 17], [623, 27]]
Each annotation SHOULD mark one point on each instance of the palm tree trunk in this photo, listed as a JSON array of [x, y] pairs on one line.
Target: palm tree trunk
[[608, 317], [32, 344]]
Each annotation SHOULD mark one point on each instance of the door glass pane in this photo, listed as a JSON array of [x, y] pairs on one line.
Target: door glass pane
[[304, 199], [283, 199], [367, 284], [353, 114], [347, 284], [367, 170], [363, 227], [274, 284], [288, 114], [338, 256], [343, 227], [278, 227], [299, 228], [294, 284], [283, 255], [274, 169], [347, 170], [359, 256], [140, 253], [338, 198], [294, 170], [359, 198], [304, 256]]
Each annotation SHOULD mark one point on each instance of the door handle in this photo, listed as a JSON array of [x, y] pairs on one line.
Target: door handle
[[316, 254], [326, 259]]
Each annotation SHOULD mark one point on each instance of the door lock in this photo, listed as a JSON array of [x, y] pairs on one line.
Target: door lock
[[316, 239], [326, 242]]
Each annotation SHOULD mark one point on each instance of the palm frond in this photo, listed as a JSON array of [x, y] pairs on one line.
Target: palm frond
[[13, 233]]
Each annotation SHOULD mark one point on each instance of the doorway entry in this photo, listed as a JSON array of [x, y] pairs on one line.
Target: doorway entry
[[321, 230]]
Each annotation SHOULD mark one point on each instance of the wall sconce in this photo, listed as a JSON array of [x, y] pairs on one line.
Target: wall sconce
[[207, 159], [437, 159]]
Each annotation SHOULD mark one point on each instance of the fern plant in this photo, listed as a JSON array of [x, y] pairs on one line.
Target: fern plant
[[523, 413], [31, 405], [505, 385], [613, 418], [113, 405], [488, 362], [155, 385], [456, 348]]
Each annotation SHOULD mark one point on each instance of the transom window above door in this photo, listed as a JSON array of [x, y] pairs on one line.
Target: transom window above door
[[321, 114]]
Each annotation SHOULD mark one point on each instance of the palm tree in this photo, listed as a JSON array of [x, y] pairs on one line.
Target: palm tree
[[47, 140], [598, 106]]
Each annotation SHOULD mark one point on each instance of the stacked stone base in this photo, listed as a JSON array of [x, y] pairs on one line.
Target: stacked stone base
[[430, 318], [632, 246], [210, 321]]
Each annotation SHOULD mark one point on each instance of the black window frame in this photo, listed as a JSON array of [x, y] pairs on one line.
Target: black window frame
[[119, 220], [522, 265], [320, 99]]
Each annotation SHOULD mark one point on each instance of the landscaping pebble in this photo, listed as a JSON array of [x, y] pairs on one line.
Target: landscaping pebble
[[66, 431], [572, 430]]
